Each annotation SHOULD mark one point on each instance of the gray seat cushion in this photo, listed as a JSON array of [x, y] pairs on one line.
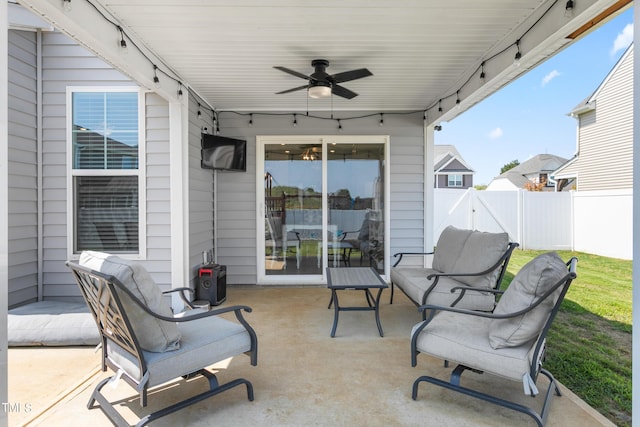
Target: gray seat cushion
[[481, 251], [204, 342], [52, 323], [153, 334], [449, 247], [531, 282], [464, 339]]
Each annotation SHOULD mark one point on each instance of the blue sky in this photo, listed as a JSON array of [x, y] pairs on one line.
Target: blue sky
[[529, 116]]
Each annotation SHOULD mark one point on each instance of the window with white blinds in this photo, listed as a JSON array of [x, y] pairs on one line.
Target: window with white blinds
[[105, 160]]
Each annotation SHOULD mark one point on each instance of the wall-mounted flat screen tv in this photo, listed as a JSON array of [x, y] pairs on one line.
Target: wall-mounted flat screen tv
[[223, 153]]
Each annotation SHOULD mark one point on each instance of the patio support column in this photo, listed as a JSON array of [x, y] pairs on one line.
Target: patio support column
[[636, 223], [429, 142], [179, 195], [4, 210]]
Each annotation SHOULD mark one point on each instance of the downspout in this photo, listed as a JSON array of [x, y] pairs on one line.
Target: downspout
[[39, 166]]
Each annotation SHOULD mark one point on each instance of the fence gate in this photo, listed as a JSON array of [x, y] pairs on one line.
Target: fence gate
[[534, 220]]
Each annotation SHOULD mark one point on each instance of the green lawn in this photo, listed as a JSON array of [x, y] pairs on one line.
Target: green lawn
[[589, 344]]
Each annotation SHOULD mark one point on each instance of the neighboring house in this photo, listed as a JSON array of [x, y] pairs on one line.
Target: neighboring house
[[449, 168], [536, 170], [604, 154]]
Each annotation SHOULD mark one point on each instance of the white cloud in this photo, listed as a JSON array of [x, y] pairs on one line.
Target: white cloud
[[496, 133], [623, 40], [550, 76]]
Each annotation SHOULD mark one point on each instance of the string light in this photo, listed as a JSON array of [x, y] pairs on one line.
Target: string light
[[295, 120], [568, 9], [156, 80], [381, 119], [250, 120], [518, 54], [200, 112], [458, 97], [179, 90], [123, 42], [339, 126]]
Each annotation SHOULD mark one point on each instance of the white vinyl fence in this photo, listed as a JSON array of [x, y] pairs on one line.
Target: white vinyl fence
[[597, 222]]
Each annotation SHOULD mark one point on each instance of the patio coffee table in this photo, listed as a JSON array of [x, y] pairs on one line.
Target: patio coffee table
[[359, 278]]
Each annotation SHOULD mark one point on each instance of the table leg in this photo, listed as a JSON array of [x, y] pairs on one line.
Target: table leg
[[336, 307], [377, 306]]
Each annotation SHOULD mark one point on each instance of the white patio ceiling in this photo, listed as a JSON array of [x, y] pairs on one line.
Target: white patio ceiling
[[420, 52]]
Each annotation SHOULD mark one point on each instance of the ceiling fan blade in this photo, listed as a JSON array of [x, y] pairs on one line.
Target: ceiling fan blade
[[292, 90], [343, 92], [293, 73], [351, 75]]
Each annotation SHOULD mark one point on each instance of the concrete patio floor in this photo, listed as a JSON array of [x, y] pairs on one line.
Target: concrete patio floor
[[303, 377]]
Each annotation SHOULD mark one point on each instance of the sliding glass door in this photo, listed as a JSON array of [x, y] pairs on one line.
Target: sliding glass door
[[322, 202]]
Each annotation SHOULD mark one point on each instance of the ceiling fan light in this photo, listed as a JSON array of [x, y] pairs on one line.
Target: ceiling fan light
[[319, 91]]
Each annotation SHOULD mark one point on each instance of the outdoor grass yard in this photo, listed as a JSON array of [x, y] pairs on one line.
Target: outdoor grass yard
[[589, 344]]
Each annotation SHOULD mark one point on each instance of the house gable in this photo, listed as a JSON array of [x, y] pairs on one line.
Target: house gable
[[604, 158]]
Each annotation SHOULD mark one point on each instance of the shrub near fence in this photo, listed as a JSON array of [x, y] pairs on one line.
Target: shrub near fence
[[596, 222]]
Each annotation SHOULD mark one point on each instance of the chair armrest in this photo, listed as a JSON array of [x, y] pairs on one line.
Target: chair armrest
[[399, 255], [183, 295], [297, 233], [466, 288], [538, 301], [343, 235]]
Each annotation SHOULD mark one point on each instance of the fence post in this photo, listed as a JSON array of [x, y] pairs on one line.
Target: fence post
[[521, 218]]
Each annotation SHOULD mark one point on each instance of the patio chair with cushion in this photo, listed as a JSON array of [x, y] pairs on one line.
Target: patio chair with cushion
[[463, 260], [508, 343], [144, 344], [280, 239]]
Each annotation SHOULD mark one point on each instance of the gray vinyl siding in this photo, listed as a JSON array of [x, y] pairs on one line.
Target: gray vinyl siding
[[236, 191], [605, 159], [158, 261], [23, 219], [201, 213], [67, 64]]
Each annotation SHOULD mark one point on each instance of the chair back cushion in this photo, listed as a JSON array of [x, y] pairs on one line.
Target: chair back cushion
[[153, 334], [480, 252], [448, 248], [532, 281]]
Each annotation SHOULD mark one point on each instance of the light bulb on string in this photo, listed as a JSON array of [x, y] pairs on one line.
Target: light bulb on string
[[440, 105], [458, 100], [518, 55], [381, 119], [339, 126], [123, 43], [199, 113], [568, 9], [156, 80], [295, 121], [180, 94], [482, 73], [250, 120]]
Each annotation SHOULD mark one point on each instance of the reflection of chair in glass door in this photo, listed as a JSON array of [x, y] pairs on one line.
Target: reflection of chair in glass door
[[280, 239]]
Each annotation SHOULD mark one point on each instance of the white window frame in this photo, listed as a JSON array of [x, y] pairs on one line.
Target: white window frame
[[455, 175], [140, 172]]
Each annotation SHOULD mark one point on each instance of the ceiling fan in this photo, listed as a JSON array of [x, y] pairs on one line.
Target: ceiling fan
[[322, 84]]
